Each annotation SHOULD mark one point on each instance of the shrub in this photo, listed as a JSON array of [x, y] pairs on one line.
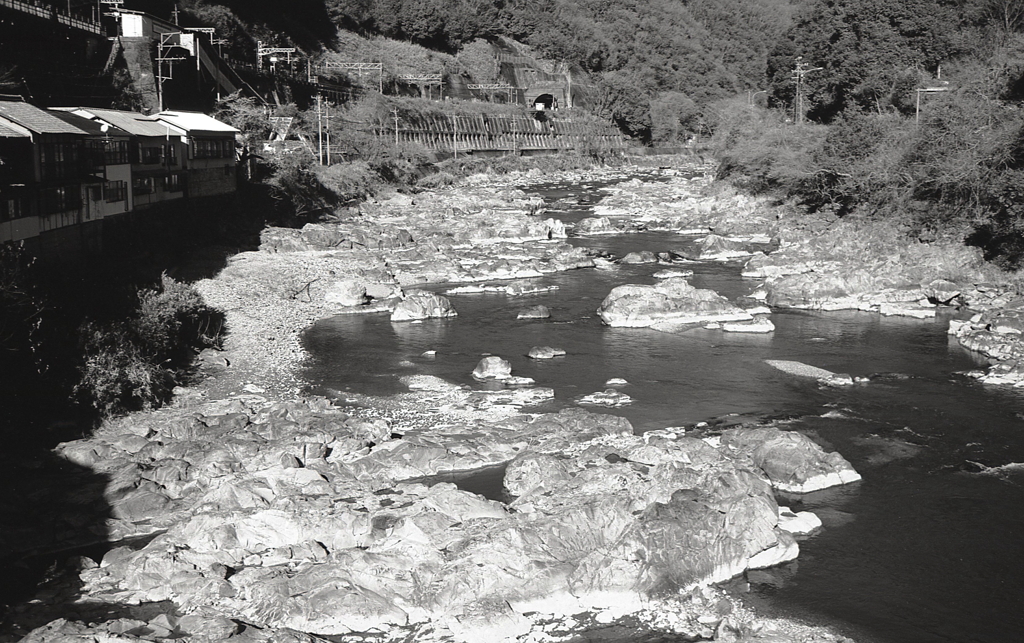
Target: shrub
[[134, 364], [117, 376], [760, 152]]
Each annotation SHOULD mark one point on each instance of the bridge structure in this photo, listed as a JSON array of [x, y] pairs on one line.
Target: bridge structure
[[55, 13]]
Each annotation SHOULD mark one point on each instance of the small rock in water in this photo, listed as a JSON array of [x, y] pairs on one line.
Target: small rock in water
[[837, 379], [616, 381], [645, 256], [668, 274], [609, 397], [799, 369], [516, 380], [759, 325], [907, 310], [545, 352], [493, 368], [527, 288], [535, 312]]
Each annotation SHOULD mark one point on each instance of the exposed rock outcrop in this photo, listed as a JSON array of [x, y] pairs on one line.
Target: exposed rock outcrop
[[792, 461], [422, 305], [673, 300]]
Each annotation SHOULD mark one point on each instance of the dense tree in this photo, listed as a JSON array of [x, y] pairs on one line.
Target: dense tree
[[863, 48]]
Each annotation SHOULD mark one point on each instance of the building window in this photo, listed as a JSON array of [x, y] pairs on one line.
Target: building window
[[214, 148], [10, 209], [60, 199], [151, 155], [58, 160], [116, 191], [143, 186], [115, 152], [172, 183], [171, 153], [106, 152]]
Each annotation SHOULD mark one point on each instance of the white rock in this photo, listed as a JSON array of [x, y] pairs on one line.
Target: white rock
[[906, 310], [823, 481], [668, 274], [801, 522], [610, 398], [545, 352], [493, 368], [759, 325], [784, 551]]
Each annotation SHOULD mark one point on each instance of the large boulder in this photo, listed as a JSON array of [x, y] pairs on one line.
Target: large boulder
[[422, 305], [644, 256], [493, 367], [596, 225], [792, 461], [673, 300], [715, 247]]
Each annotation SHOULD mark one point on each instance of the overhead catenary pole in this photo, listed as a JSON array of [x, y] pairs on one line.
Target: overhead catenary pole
[[799, 71], [319, 132], [455, 136], [164, 44]]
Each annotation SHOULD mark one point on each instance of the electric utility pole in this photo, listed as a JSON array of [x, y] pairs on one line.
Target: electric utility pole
[[799, 71], [395, 112], [319, 130]]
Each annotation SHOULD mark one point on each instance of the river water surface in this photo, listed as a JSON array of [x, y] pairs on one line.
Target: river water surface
[[928, 547]]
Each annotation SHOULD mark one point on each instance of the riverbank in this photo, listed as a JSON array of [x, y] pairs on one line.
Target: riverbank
[[252, 497]]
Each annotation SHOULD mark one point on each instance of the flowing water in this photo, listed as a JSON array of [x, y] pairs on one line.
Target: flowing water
[[928, 547]]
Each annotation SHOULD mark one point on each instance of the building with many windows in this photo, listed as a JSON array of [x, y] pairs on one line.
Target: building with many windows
[[210, 168], [64, 169], [157, 152], [107, 170], [44, 160]]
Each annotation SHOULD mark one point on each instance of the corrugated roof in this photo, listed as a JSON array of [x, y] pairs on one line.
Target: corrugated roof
[[190, 121], [34, 119], [131, 122], [87, 125]]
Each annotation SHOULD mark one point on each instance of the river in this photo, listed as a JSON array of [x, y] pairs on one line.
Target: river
[[926, 548]]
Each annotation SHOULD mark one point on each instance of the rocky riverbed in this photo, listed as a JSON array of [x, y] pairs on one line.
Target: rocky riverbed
[[247, 512]]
